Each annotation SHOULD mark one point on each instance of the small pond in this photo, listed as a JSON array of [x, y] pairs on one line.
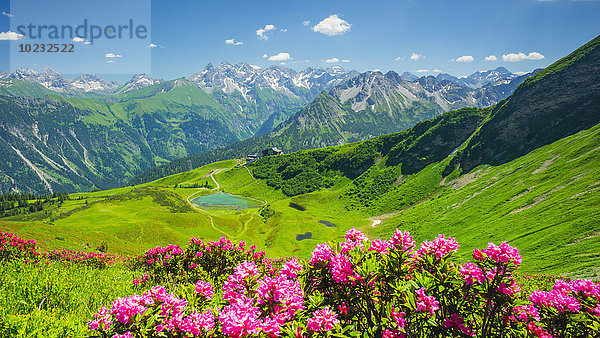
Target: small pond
[[223, 200], [327, 224], [307, 235]]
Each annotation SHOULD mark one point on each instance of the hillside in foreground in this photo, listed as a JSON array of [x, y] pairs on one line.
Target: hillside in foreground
[[355, 287]]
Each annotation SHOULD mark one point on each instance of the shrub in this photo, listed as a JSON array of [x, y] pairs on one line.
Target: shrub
[[361, 287]]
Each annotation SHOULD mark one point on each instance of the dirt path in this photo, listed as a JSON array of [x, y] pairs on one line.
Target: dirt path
[[246, 225], [249, 172], [213, 178], [212, 222], [256, 182], [200, 189]]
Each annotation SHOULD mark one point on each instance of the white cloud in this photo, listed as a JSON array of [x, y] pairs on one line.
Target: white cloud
[[376, 70], [265, 56], [152, 45], [78, 39], [465, 59], [332, 25], [490, 58], [334, 60], [415, 57], [8, 14], [110, 61], [87, 43], [437, 70], [283, 63], [516, 57], [11, 36], [262, 32], [233, 42], [111, 55], [280, 57], [283, 30], [399, 58], [422, 70], [521, 73], [305, 23]]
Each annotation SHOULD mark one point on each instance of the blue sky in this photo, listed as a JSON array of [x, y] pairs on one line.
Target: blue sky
[[423, 37]]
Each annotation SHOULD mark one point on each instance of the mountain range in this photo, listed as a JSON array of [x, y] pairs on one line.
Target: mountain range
[[54, 81], [86, 133], [481, 78], [364, 106], [552, 105]]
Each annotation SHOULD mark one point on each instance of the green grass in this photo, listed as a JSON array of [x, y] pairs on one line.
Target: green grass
[[545, 203], [277, 234], [133, 219], [56, 300]]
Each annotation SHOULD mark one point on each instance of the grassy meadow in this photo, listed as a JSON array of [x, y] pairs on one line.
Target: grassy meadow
[[133, 219], [56, 300], [544, 203]]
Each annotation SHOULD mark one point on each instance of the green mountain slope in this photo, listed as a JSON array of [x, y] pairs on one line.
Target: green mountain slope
[[327, 121], [544, 203], [79, 144], [430, 141], [393, 177], [558, 101], [14, 87], [262, 108]]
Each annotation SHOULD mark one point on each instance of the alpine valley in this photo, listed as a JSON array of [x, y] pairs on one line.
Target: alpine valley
[[514, 158], [251, 202], [286, 169], [85, 133]]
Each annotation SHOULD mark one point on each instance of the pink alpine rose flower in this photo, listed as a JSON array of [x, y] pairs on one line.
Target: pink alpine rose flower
[[402, 241], [426, 303], [471, 273], [204, 289], [380, 246], [341, 268], [322, 253], [323, 320], [291, 268], [440, 247]]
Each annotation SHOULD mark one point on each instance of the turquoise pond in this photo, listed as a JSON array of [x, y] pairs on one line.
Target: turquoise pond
[[223, 200]]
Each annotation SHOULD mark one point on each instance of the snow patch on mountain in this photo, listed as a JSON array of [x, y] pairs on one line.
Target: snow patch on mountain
[[243, 77]]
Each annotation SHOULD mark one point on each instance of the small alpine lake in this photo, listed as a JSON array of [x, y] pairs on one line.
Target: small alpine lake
[[223, 200]]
